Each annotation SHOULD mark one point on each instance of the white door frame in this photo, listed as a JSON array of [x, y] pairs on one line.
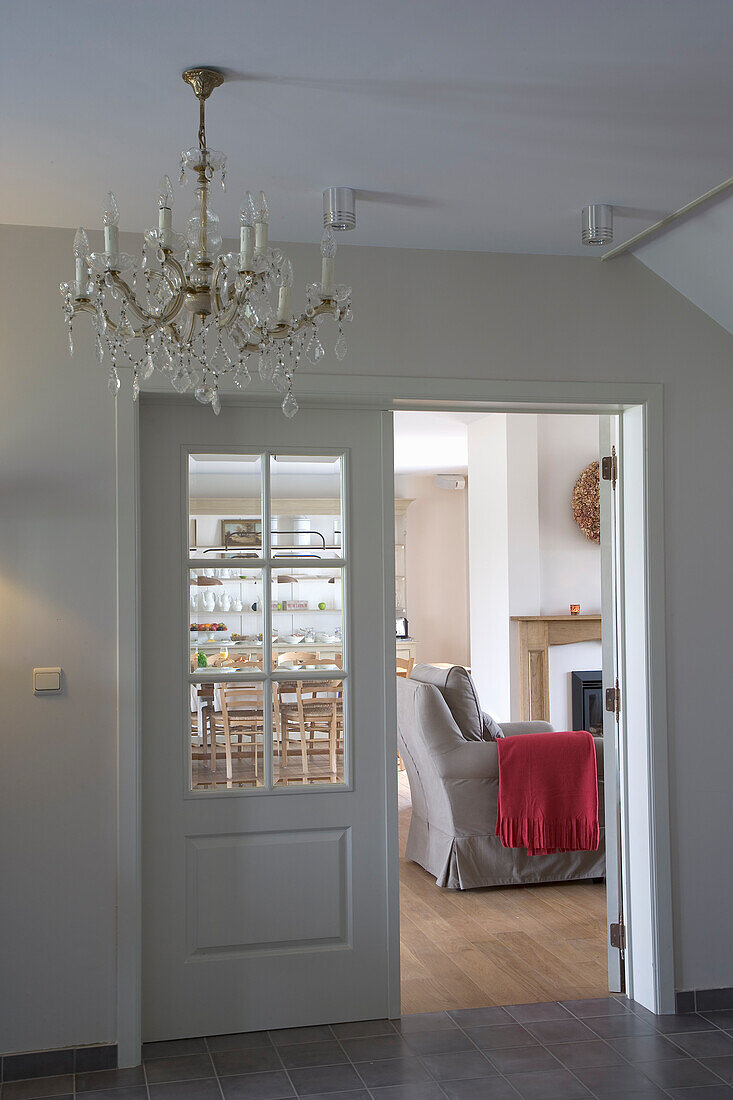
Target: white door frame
[[391, 393]]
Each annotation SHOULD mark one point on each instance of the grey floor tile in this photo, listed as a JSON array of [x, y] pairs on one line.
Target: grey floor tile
[[497, 1038], [529, 1014], [560, 1031], [325, 1079], [312, 1054], [109, 1079], [127, 1092], [685, 1071], [243, 1040], [480, 1088], [704, 1044], [722, 1020], [702, 1092], [421, 1090], [375, 1046], [425, 1021], [359, 1029], [392, 1071], [667, 1025], [257, 1086], [454, 1067], [598, 1006], [722, 1066], [646, 1048], [173, 1048], [186, 1068], [608, 1082], [612, 1027], [184, 1090], [557, 1085], [286, 1036], [584, 1055], [255, 1060], [438, 1042], [352, 1094], [480, 1017], [39, 1086], [523, 1060]]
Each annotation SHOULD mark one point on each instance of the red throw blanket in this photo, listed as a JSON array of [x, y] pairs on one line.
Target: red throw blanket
[[548, 793]]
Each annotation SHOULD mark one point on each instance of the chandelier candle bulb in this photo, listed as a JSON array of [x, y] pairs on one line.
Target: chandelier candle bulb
[[261, 224], [247, 219], [283, 303], [110, 218], [328, 263], [165, 211], [81, 248]]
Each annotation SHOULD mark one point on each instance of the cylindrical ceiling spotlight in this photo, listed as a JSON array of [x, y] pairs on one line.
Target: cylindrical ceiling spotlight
[[597, 223], [339, 208]]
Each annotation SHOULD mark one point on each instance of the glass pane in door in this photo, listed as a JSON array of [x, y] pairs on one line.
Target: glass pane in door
[[228, 734], [305, 506], [226, 618], [309, 720], [224, 505], [307, 614]]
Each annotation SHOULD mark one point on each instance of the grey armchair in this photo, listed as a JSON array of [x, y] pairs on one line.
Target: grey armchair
[[454, 783]]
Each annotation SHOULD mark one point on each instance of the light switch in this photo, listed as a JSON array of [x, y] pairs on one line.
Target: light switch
[[47, 681]]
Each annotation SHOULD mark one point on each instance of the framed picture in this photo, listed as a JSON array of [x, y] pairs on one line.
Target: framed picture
[[236, 533]]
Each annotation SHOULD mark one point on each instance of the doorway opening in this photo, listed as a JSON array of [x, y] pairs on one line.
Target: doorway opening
[[497, 574]]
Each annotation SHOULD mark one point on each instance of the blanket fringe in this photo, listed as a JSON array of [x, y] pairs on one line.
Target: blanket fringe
[[545, 837]]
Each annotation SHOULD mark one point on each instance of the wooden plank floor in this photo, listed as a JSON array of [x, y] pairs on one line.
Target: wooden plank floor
[[501, 945]]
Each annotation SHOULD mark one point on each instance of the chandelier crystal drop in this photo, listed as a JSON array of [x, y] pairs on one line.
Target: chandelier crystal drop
[[192, 312]]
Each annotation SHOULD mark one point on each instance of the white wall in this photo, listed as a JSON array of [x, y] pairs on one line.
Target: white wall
[[488, 563], [526, 547], [532, 317], [437, 568], [570, 564]]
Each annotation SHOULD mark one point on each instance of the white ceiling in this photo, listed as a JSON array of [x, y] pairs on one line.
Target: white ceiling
[[469, 124], [431, 443]]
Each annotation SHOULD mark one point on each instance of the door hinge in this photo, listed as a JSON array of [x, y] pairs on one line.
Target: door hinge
[[618, 935], [609, 468], [613, 700]]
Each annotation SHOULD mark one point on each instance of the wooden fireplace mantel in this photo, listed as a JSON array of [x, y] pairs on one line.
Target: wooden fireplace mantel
[[536, 634]]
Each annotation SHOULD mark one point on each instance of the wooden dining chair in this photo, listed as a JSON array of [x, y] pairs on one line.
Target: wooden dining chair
[[203, 725], [242, 712], [317, 709], [296, 656]]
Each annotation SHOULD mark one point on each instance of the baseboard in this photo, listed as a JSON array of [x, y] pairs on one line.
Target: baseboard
[[704, 1000], [51, 1063]]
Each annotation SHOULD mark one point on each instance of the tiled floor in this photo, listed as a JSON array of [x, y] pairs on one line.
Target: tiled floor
[[603, 1048]]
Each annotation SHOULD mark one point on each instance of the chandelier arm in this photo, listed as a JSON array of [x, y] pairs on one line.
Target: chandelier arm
[[151, 321]]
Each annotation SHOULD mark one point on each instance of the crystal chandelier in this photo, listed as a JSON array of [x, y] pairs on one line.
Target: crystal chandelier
[[192, 312]]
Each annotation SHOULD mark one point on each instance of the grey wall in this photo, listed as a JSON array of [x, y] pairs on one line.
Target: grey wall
[[417, 313], [57, 607]]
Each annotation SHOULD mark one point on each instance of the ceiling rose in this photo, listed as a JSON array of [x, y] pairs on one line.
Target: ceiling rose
[[191, 311]]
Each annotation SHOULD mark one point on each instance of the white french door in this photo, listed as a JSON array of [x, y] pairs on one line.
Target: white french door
[[264, 772]]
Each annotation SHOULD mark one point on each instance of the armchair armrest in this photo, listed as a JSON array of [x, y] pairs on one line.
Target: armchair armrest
[[514, 729], [469, 760]]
